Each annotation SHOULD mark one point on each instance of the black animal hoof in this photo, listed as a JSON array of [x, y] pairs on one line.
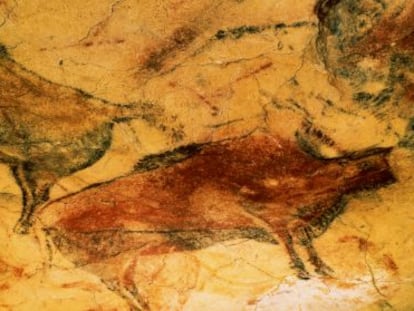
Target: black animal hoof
[[303, 274], [22, 228]]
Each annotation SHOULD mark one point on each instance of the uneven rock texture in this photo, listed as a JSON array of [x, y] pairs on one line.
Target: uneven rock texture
[[193, 155]]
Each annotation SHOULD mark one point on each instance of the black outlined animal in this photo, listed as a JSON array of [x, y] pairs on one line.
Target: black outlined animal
[[48, 131], [260, 187]]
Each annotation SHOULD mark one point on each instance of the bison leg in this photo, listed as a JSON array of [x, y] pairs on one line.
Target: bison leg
[[33, 195], [24, 222], [320, 266], [296, 261], [305, 237], [131, 290], [129, 293]]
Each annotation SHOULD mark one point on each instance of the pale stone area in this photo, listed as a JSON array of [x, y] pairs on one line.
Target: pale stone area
[[266, 81]]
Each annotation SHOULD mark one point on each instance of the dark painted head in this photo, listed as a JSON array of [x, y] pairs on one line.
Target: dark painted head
[[370, 165]]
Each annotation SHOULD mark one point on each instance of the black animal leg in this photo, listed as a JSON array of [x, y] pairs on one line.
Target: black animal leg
[[129, 294], [24, 222], [296, 262], [32, 197], [320, 266], [305, 236]]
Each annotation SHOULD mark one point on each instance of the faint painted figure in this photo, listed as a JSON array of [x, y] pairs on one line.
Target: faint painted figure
[[48, 131]]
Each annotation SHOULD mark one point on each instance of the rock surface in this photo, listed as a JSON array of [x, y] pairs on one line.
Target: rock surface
[[335, 76]]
